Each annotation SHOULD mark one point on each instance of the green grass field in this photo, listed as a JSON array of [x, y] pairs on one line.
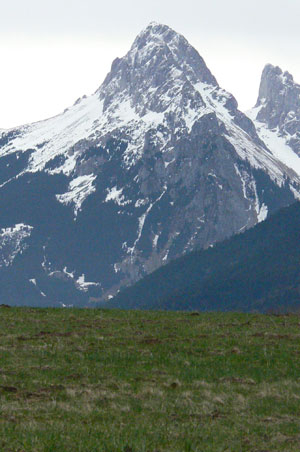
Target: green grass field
[[120, 381]]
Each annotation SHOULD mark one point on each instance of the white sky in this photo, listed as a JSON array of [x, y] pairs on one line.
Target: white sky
[[54, 51]]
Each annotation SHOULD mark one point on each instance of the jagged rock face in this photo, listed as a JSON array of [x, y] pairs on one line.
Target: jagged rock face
[[158, 162], [278, 105], [160, 66]]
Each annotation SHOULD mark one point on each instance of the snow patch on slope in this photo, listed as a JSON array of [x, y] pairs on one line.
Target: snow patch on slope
[[56, 135], [277, 144], [250, 192], [116, 196], [33, 281], [263, 213], [79, 189], [83, 285], [141, 220], [12, 242]]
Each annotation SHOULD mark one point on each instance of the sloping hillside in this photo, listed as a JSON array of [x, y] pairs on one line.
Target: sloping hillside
[[256, 270]]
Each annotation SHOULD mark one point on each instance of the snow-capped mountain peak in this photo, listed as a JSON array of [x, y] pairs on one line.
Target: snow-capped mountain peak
[[158, 43], [157, 162], [158, 72]]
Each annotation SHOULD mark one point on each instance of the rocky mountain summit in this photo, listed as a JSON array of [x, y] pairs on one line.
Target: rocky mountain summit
[[157, 162], [277, 110]]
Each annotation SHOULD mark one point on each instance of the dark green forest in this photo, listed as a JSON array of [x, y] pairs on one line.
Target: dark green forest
[[258, 270]]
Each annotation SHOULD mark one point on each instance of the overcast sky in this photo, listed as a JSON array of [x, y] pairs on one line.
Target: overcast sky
[[54, 51]]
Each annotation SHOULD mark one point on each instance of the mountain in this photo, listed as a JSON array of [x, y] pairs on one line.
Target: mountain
[[158, 162], [254, 271], [276, 115]]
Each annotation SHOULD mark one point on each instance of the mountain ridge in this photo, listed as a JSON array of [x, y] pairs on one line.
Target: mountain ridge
[[157, 162]]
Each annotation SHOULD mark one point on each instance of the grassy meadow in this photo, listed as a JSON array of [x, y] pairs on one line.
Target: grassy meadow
[[127, 381]]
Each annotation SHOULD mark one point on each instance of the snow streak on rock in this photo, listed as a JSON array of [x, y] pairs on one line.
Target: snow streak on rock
[[13, 242], [79, 189]]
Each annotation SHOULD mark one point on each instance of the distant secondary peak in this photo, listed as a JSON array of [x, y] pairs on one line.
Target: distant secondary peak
[[270, 68], [278, 103], [273, 83]]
